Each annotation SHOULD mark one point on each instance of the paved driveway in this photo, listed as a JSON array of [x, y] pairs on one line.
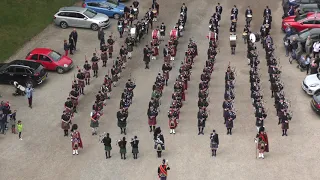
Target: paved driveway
[[44, 154]]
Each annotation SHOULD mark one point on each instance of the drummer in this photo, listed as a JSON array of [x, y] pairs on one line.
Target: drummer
[[162, 31], [248, 15], [245, 33], [233, 19], [121, 26], [233, 29]]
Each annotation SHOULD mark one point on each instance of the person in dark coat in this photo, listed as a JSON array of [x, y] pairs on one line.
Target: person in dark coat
[[135, 147], [107, 145], [214, 142], [146, 56], [65, 47], [123, 149], [229, 125], [122, 120], [74, 35], [71, 44]]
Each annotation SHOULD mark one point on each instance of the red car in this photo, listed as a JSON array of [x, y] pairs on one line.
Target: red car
[[302, 22], [51, 59]]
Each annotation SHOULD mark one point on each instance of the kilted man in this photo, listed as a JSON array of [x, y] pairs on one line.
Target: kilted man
[[81, 78], [87, 68], [163, 170], [129, 42], [173, 124], [229, 125], [262, 142], [75, 139], [202, 117], [152, 118], [166, 68], [122, 116], [68, 106], [74, 95], [95, 66], [114, 74], [110, 42], [135, 147], [104, 55], [214, 142], [162, 31], [158, 141], [123, 149], [66, 121], [107, 145], [94, 123], [284, 123]]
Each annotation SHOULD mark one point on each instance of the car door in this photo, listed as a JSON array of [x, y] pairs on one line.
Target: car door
[[107, 8], [20, 75], [7, 75], [34, 57], [46, 62], [84, 20], [95, 6]]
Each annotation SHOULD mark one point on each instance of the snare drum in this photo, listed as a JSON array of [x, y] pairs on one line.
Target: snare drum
[[234, 20], [266, 25], [120, 28], [233, 39], [180, 27], [131, 16], [249, 16], [154, 11]]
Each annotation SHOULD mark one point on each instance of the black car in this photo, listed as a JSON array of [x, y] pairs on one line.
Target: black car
[[315, 103], [287, 3], [22, 71], [302, 36]]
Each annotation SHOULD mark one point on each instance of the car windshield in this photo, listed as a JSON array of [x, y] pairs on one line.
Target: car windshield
[[90, 13], [304, 34], [298, 18], [106, 5], [55, 56]]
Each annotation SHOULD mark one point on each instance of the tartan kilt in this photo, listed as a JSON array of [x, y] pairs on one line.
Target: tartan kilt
[[155, 51], [122, 124], [173, 52], [107, 148], [81, 83], [87, 75], [167, 58], [94, 124], [123, 150], [110, 50], [130, 48], [114, 78], [152, 121], [285, 126], [65, 126], [95, 66], [166, 75], [135, 150], [213, 146], [75, 102]]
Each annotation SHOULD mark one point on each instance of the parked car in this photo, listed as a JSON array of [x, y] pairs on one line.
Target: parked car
[[23, 71], [80, 17], [108, 8], [305, 8], [51, 59], [311, 84], [302, 22], [315, 103], [295, 3], [302, 36]]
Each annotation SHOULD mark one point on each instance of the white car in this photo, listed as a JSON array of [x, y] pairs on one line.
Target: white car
[[311, 84]]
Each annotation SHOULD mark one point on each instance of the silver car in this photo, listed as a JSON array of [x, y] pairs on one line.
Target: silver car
[[80, 17]]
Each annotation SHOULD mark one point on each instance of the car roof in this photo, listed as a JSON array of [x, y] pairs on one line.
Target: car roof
[[73, 8], [309, 6], [31, 64], [41, 51], [315, 31]]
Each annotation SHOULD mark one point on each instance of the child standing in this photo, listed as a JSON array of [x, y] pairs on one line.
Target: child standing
[[19, 127], [13, 122]]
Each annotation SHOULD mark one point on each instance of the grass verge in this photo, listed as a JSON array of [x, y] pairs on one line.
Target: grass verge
[[21, 20]]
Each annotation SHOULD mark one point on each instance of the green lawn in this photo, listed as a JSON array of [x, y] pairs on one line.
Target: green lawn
[[20, 20]]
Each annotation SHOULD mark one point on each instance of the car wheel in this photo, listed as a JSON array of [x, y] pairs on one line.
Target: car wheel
[[31, 82], [64, 25], [94, 27], [60, 70], [116, 16]]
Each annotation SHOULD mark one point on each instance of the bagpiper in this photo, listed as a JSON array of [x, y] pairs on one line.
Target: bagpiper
[[166, 68], [87, 68], [202, 118], [152, 118], [122, 116], [158, 141], [110, 42], [107, 145], [262, 142], [81, 78], [173, 125], [68, 106], [75, 139], [214, 142], [104, 55], [129, 42], [95, 66], [94, 122], [135, 147], [163, 170], [74, 95], [66, 121], [123, 149]]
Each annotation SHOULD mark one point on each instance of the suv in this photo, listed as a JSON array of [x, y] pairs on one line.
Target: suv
[[80, 17], [22, 71], [295, 3]]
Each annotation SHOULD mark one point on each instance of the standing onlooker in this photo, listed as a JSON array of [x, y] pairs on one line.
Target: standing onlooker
[[71, 44], [29, 94], [294, 47], [308, 45], [307, 63], [316, 49], [101, 37], [19, 127], [65, 47], [2, 122], [13, 122], [74, 35]]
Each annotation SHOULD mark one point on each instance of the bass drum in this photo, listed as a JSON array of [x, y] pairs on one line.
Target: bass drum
[[255, 37], [155, 34]]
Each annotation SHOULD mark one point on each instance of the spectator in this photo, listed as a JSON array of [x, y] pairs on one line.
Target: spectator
[[65, 47], [294, 47], [314, 67], [20, 128], [287, 46], [74, 35], [71, 44], [308, 45], [2, 122], [29, 94], [316, 49], [13, 122]]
